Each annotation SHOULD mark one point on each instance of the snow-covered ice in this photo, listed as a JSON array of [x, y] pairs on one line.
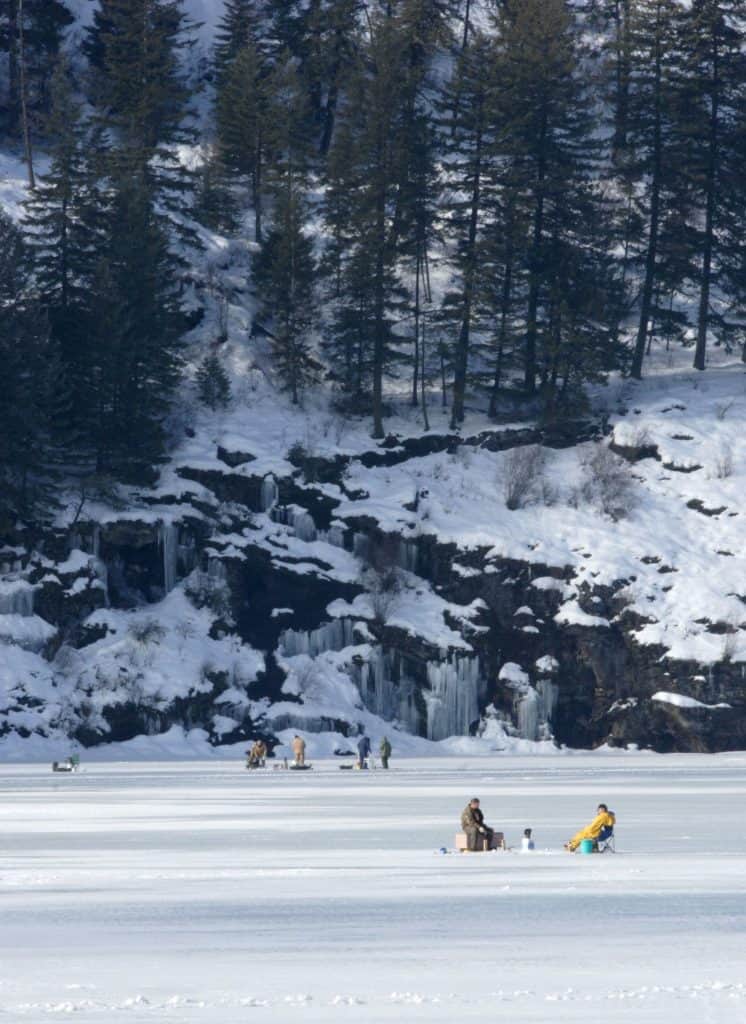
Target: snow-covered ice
[[198, 892]]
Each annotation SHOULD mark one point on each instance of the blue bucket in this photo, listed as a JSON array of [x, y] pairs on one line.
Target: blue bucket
[[586, 845]]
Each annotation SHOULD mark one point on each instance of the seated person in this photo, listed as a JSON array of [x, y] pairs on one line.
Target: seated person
[[599, 828], [255, 756], [472, 823]]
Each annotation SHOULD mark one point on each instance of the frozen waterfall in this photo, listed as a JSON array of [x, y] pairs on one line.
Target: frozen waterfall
[[300, 521], [387, 691], [17, 598], [270, 493], [535, 709], [169, 539], [331, 636], [453, 700]]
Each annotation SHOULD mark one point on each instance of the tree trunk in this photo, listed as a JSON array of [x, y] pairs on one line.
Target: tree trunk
[[622, 17], [256, 189], [462, 349], [24, 98], [379, 341], [534, 278], [502, 334], [652, 252], [710, 202], [416, 361], [423, 387]]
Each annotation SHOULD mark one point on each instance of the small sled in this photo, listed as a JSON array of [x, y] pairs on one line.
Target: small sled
[[70, 764], [292, 767]]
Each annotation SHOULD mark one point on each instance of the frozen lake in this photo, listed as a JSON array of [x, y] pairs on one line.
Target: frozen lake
[[197, 892]]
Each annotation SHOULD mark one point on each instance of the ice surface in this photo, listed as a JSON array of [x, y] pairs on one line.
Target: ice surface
[[201, 894]]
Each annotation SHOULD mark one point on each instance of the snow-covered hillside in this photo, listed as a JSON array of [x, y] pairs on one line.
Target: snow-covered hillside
[[506, 587]]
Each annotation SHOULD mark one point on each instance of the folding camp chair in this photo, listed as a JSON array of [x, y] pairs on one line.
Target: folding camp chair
[[605, 840]]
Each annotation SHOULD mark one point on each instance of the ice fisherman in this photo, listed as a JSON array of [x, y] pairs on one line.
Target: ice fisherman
[[472, 823], [604, 820], [527, 842], [385, 751], [257, 754], [363, 751], [299, 750]]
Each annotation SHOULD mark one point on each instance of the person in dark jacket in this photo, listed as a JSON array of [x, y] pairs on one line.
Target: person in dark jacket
[[385, 752], [363, 751], [472, 823]]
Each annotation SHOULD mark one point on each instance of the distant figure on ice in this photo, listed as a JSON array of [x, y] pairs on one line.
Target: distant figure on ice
[[472, 823], [527, 842], [255, 757], [385, 752], [597, 829], [363, 751], [299, 750]]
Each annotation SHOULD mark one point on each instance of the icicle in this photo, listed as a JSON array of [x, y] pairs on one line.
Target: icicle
[[187, 554], [304, 526], [331, 636], [386, 691], [535, 708], [300, 521], [453, 701], [170, 550], [528, 715], [17, 598], [270, 493], [216, 570], [335, 536], [361, 546], [407, 555]]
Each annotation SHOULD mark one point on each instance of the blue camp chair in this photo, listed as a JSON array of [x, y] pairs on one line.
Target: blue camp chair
[[605, 840]]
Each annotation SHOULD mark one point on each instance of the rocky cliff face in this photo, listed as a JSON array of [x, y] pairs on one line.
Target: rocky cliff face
[[243, 601]]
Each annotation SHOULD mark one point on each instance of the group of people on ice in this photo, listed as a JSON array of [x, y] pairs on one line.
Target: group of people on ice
[[257, 753], [364, 750], [480, 836]]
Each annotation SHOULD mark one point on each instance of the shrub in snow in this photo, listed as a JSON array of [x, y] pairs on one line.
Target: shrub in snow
[[522, 475], [302, 456], [213, 385], [607, 482], [205, 591], [724, 463], [384, 592], [146, 631]]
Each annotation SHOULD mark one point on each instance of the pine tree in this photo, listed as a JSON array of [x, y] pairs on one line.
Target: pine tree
[[545, 140], [714, 93], [44, 23], [285, 276], [468, 124], [652, 154], [62, 237], [370, 288], [237, 29], [332, 41], [141, 96], [31, 383], [213, 383], [286, 269], [614, 19], [241, 122]]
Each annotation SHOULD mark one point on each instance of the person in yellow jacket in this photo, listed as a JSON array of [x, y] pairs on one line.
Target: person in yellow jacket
[[604, 819]]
